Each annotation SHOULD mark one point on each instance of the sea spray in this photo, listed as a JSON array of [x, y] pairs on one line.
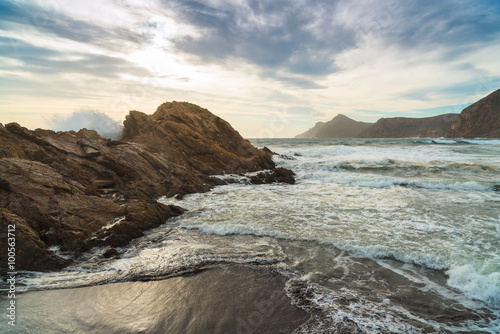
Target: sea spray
[[104, 125]]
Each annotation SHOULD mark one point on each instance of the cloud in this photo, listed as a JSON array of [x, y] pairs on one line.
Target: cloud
[[301, 110], [42, 60], [448, 23], [304, 39], [298, 38], [241, 58], [26, 15]]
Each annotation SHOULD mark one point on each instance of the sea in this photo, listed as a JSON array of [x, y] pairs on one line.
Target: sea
[[387, 235]]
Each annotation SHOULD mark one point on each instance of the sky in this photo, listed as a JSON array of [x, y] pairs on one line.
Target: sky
[[270, 68]]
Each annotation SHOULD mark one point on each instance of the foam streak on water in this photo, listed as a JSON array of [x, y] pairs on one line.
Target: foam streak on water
[[433, 204]]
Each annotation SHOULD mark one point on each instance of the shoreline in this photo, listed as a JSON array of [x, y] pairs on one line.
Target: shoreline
[[222, 299]]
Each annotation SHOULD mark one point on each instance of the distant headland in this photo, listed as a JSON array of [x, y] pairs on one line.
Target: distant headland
[[479, 120]]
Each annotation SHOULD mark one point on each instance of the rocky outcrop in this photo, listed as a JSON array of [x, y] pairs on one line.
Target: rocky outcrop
[[30, 250], [76, 190], [401, 127], [479, 120], [192, 137], [68, 198], [278, 175]]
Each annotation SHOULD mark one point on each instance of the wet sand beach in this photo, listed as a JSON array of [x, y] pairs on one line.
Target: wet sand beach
[[225, 299]]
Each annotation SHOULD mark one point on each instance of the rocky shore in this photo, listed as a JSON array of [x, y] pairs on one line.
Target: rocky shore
[[73, 191]]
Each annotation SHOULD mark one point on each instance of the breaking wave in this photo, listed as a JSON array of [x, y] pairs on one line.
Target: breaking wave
[[104, 125]]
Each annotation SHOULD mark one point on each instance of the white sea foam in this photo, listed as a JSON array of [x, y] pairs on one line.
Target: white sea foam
[[441, 222], [347, 307], [481, 141], [477, 283], [159, 255], [91, 120]]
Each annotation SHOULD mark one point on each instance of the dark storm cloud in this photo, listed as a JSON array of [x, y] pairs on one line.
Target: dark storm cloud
[[15, 16], [275, 35], [303, 38]]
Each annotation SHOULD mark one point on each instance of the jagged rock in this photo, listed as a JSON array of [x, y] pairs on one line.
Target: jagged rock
[[90, 151], [286, 157], [194, 138], [278, 175], [30, 250], [76, 190], [110, 252], [266, 149]]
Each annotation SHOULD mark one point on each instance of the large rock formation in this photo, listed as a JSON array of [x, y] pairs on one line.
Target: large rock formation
[[400, 127], [193, 137], [76, 190], [481, 119]]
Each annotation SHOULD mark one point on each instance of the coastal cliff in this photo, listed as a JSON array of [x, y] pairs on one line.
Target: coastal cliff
[[481, 119], [72, 191], [400, 127], [342, 126]]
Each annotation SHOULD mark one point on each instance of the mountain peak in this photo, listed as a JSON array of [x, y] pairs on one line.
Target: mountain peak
[[340, 116], [340, 126]]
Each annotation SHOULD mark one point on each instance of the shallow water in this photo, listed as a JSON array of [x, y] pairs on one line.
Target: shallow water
[[397, 235]]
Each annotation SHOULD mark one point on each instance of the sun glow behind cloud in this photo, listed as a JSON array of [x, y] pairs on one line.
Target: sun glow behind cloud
[[269, 68]]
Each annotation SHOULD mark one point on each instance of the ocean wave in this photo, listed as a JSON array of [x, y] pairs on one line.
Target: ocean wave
[[480, 141], [346, 311], [443, 141], [369, 251], [158, 256], [381, 182], [387, 165], [477, 283]]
